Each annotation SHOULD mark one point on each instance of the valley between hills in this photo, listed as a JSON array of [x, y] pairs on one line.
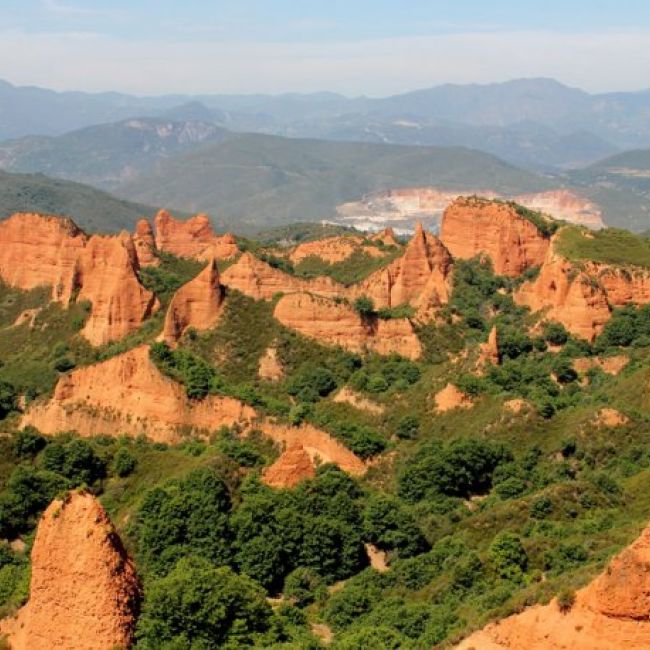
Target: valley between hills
[[324, 436]]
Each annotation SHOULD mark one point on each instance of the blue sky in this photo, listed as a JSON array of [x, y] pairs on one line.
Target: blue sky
[[354, 46]]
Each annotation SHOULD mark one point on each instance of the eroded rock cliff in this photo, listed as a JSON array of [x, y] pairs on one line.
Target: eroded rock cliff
[[127, 394], [610, 613], [336, 323], [84, 592], [145, 244], [197, 304], [107, 277], [38, 250], [472, 226], [293, 466], [192, 238]]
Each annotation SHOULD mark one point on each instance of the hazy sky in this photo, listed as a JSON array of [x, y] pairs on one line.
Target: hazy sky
[[372, 47]]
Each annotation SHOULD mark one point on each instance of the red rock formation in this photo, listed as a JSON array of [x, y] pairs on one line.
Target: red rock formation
[[336, 323], [292, 467], [610, 613], [40, 250], [333, 249], [37, 250], [261, 281], [107, 275], [421, 277], [610, 365], [84, 592], [489, 351], [196, 304], [192, 238], [145, 244], [386, 237], [128, 395], [473, 226], [348, 396], [450, 397], [566, 295], [320, 445], [622, 285], [269, 366]]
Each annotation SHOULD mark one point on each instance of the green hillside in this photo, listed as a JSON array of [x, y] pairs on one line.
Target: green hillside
[[91, 209], [252, 181]]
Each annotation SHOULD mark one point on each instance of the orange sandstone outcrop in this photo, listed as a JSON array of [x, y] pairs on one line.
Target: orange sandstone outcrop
[[107, 275], [348, 396], [336, 323], [333, 249], [386, 237], [610, 613], [192, 238], [473, 226], [420, 277], [293, 466], [84, 592], [37, 250], [610, 418], [145, 244], [489, 351], [270, 367], [621, 284], [610, 365], [196, 304], [567, 295], [451, 397], [320, 445], [261, 281], [128, 395]]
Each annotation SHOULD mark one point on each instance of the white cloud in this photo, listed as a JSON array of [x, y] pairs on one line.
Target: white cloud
[[594, 61]]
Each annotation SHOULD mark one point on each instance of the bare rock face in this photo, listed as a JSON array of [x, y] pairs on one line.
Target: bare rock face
[[332, 249], [610, 613], [567, 295], [84, 592], [261, 281], [622, 285], [319, 445], [473, 226], [145, 244], [489, 351], [451, 397], [37, 250], [192, 238], [292, 467], [270, 367], [421, 277], [336, 323], [108, 279], [196, 304], [386, 237], [565, 205], [128, 395]]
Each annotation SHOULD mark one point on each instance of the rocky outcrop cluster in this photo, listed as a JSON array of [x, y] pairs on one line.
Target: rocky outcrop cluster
[[192, 238], [489, 351], [261, 281], [474, 226], [137, 399], [84, 592], [611, 612], [333, 249], [336, 323], [292, 467], [451, 397], [197, 304], [37, 250]]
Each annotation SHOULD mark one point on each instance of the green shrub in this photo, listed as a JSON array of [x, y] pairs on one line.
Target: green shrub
[[76, 460], [364, 306], [508, 556], [303, 586], [124, 462], [200, 606], [28, 442], [555, 333], [407, 428]]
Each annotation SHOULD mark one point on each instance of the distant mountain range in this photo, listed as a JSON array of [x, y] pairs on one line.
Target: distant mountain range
[[256, 161], [538, 123]]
